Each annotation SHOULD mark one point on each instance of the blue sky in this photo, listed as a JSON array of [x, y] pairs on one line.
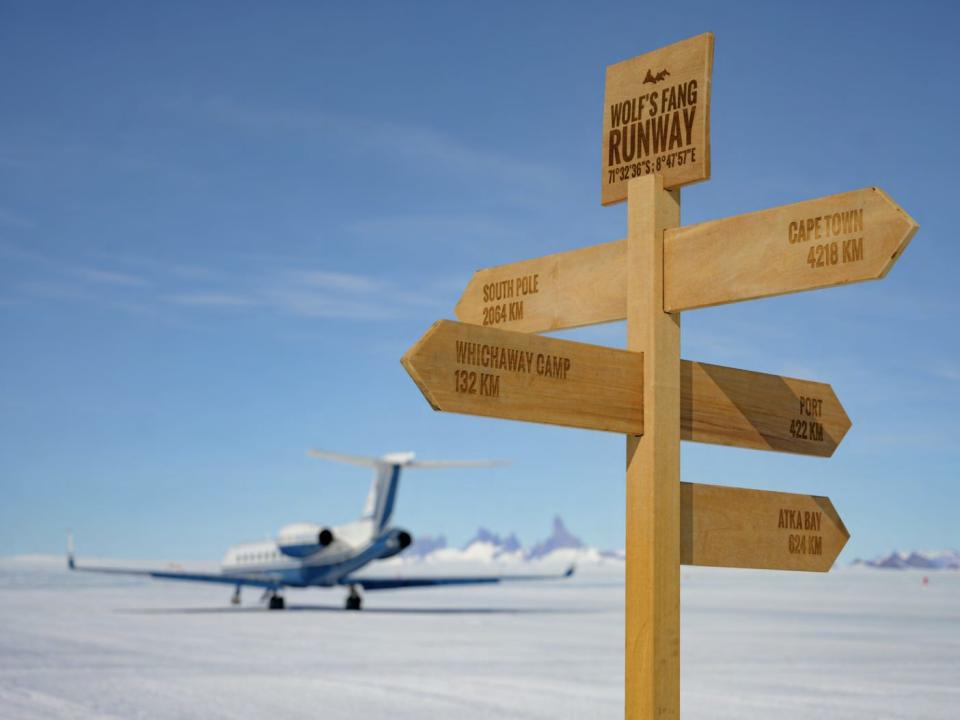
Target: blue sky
[[221, 225]]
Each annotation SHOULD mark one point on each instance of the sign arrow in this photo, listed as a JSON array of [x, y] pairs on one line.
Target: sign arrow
[[500, 373], [735, 527], [845, 238], [747, 409], [484, 371], [835, 240], [565, 290]]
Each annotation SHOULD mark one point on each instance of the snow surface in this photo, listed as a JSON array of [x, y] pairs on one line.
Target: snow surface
[[855, 643]]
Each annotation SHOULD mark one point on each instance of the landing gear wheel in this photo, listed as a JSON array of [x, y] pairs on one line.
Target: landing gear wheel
[[276, 602], [354, 602]]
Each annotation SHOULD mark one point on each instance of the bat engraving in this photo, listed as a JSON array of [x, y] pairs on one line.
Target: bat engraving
[[651, 78]]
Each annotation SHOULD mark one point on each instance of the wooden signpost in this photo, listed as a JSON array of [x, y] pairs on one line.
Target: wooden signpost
[[656, 139], [475, 370], [836, 240], [482, 371], [746, 409], [656, 118], [735, 527]]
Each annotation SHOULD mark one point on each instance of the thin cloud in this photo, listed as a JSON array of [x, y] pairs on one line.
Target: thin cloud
[[310, 294], [314, 293], [319, 305], [55, 291], [211, 300], [947, 372], [107, 277], [423, 146], [341, 281], [12, 219]]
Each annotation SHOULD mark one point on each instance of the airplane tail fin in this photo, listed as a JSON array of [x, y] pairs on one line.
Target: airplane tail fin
[[383, 490], [71, 562]]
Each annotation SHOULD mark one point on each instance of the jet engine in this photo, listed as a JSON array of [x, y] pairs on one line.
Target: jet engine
[[303, 539], [395, 541]]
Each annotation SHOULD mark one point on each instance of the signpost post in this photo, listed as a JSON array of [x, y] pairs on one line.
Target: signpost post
[[656, 139]]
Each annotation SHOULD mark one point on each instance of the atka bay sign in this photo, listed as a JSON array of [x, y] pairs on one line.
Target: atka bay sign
[[735, 527], [656, 117], [835, 240], [499, 373]]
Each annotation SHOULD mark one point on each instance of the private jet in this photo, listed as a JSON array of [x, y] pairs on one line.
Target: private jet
[[310, 555]]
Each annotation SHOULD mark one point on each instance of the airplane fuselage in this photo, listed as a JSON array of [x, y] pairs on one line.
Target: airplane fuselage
[[306, 555]]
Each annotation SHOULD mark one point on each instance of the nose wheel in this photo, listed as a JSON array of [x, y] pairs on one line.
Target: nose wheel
[[235, 598], [354, 601]]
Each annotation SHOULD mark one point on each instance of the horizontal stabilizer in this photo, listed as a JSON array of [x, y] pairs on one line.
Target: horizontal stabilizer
[[404, 459], [438, 464]]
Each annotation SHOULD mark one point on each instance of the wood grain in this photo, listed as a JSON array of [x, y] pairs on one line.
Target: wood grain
[[835, 240], [553, 292], [747, 409], [738, 258], [652, 589], [465, 368], [656, 117], [603, 390], [736, 527]]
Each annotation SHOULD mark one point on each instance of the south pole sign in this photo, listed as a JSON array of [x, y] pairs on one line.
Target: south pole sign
[[492, 363]]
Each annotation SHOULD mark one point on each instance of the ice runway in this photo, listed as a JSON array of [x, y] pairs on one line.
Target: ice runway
[[852, 644]]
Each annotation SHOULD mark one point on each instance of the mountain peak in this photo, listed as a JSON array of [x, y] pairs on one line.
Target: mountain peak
[[510, 543], [940, 560], [559, 538]]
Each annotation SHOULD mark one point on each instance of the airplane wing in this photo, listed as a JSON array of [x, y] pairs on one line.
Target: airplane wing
[[395, 582], [237, 579]]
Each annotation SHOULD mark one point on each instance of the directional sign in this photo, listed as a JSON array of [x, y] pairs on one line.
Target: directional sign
[[565, 290], [483, 371], [835, 240], [499, 373], [735, 527], [747, 409], [656, 117]]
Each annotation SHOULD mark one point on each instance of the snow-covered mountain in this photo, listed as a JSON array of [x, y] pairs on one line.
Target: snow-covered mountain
[[559, 538], [935, 560], [488, 546]]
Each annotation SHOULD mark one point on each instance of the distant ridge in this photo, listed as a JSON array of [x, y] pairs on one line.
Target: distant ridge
[[488, 546], [915, 560]]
